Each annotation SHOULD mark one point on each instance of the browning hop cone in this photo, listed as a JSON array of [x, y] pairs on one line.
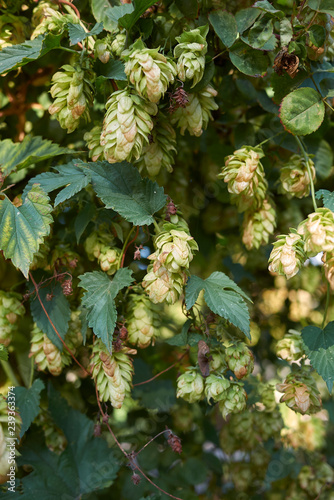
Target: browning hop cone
[[240, 360], [318, 232], [287, 255], [300, 393], [290, 347]]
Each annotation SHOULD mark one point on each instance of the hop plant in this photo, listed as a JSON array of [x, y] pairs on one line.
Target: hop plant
[[240, 360], [142, 321], [290, 347], [269, 424], [92, 139], [126, 127], [102, 49], [235, 399], [10, 309], [318, 232], [5, 453], [267, 394], [287, 255], [101, 246], [258, 225], [190, 385], [162, 285], [159, 152], [217, 361], [190, 53], [149, 71], [46, 17], [294, 176], [216, 387], [300, 393], [72, 90], [118, 44], [112, 373], [13, 30], [244, 175], [239, 432], [195, 116], [315, 478]]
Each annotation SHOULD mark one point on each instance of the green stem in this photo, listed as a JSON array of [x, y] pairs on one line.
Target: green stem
[[31, 378], [269, 139], [9, 372], [304, 153], [326, 306], [124, 247], [157, 228], [67, 50], [220, 53]]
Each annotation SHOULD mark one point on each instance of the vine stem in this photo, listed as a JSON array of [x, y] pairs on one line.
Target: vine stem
[[157, 228], [150, 441], [269, 138], [326, 306], [126, 245], [304, 153], [9, 372], [163, 371]]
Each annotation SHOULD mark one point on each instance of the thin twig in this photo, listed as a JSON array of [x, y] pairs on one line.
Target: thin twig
[[150, 441], [127, 246], [65, 2], [163, 371], [155, 485]]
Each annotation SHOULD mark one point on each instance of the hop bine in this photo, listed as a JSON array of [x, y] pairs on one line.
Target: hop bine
[[294, 177], [287, 255], [190, 53]]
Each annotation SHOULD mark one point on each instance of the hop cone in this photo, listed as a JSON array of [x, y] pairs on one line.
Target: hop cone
[[118, 44], [190, 386], [328, 260], [287, 255], [316, 478], [300, 393], [235, 399], [55, 439], [46, 17], [269, 424], [149, 71], [13, 30], [190, 53], [294, 177], [240, 360], [73, 94], [112, 373], [216, 387], [162, 285], [267, 394], [318, 232], [10, 309], [258, 225], [217, 361], [290, 347], [238, 433], [126, 127], [159, 152], [100, 246], [102, 49], [92, 139], [5, 455], [195, 116], [245, 179], [142, 321]]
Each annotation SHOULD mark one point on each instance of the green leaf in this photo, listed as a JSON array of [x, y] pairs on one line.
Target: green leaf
[[27, 402], [120, 11], [70, 175], [189, 8], [286, 31], [225, 26], [325, 6], [99, 300], [58, 309], [249, 61], [101, 10], [323, 159], [77, 33], [302, 111], [260, 33], [223, 297], [267, 7], [245, 18], [3, 353], [83, 219], [327, 198], [140, 6], [22, 229], [319, 348], [317, 35], [181, 339], [113, 70], [283, 84], [18, 155], [122, 189]]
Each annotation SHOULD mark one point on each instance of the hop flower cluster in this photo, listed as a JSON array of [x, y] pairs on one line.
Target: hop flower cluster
[[142, 320], [195, 116], [10, 309], [294, 176], [101, 246], [166, 277], [72, 90], [112, 373], [190, 53], [300, 393]]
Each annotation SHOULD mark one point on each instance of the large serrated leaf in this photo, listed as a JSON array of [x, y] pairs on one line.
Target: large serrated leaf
[[327, 198], [249, 61], [122, 189], [302, 111], [101, 11], [58, 309], [22, 229], [27, 402], [223, 297], [17, 155], [225, 26], [325, 6], [319, 348], [99, 300]]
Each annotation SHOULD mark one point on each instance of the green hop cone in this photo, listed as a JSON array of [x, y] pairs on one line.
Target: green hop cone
[[294, 177], [217, 361], [159, 152], [328, 260], [244, 175], [73, 93], [269, 424], [195, 116], [118, 44], [149, 71], [142, 321], [102, 49], [92, 139], [240, 360], [216, 387], [300, 393], [190, 53], [267, 393], [126, 127], [162, 285], [258, 225], [108, 259], [290, 347], [13, 30], [316, 478], [112, 373], [238, 433], [190, 386], [101, 246], [318, 232], [55, 439], [46, 17], [235, 399], [287, 256], [10, 309], [5, 452]]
